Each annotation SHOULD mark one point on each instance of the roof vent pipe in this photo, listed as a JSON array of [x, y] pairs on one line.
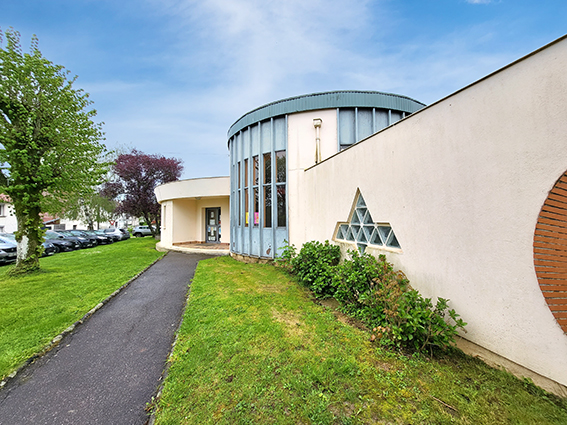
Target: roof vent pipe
[[317, 124]]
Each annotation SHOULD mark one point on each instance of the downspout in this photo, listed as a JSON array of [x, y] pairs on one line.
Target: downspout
[[317, 124]]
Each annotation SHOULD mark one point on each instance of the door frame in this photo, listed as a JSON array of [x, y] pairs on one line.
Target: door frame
[[217, 225]]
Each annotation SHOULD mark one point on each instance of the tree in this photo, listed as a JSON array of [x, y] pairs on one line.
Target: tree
[[49, 145], [137, 175], [91, 208]]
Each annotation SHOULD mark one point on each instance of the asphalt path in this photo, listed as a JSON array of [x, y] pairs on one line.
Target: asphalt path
[[108, 369]]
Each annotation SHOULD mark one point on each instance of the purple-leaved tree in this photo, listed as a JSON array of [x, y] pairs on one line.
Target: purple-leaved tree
[[137, 175]]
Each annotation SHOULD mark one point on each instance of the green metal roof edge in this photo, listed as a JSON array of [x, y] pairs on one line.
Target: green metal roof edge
[[326, 100]]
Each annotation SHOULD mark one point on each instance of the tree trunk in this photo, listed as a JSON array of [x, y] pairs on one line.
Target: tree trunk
[[29, 238], [149, 223]]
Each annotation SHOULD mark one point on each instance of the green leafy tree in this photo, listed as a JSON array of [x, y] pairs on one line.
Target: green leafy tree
[[92, 209], [49, 145]]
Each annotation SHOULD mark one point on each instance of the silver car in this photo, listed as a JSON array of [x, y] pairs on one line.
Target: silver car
[[140, 231], [8, 251], [118, 234]]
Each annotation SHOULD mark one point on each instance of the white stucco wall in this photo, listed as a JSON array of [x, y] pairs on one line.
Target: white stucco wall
[[301, 155], [462, 183], [193, 188], [184, 204]]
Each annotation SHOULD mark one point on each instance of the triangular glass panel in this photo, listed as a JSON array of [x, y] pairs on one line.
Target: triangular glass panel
[[367, 218], [384, 232], [350, 236], [361, 213], [362, 236], [393, 242], [355, 230], [368, 232], [340, 234], [355, 218], [361, 247], [375, 238], [343, 228], [360, 202]]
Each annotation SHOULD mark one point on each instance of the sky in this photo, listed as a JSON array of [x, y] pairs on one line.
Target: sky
[[170, 77]]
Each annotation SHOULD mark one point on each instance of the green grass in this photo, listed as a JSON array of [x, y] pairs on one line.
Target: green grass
[[255, 349], [37, 307]]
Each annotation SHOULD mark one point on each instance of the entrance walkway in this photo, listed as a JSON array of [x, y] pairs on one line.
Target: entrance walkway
[[196, 248], [108, 368]]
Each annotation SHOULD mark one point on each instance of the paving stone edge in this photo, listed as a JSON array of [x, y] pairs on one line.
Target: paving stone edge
[[57, 340]]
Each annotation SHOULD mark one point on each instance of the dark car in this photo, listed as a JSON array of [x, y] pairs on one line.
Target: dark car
[[84, 233], [83, 240], [113, 238], [48, 247], [61, 242], [8, 251], [100, 236]]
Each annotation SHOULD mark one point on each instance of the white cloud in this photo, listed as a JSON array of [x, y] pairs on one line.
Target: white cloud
[[229, 57]]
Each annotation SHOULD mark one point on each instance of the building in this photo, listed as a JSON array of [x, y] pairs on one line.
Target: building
[[192, 212], [272, 146], [468, 196], [8, 222]]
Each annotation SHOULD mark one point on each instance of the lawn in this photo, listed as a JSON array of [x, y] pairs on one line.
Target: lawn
[[254, 348], [36, 308]]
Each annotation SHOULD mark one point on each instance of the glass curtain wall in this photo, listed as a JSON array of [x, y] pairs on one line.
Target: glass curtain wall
[[259, 188]]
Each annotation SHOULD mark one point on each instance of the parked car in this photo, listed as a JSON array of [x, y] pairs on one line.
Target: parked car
[[8, 251], [140, 231], [116, 232], [83, 240], [113, 237], [95, 240], [100, 236], [61, 242], [48, 247], [125, 234]]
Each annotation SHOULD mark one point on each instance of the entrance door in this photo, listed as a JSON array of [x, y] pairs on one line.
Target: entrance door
[[212, 224]]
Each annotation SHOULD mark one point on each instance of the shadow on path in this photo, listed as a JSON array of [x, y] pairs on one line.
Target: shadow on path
[[108, 368]]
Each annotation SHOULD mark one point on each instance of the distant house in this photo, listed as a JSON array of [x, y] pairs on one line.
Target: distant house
[[468, 196], [8, 223]]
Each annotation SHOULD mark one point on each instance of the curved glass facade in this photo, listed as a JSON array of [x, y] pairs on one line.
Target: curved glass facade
[[259, 159]]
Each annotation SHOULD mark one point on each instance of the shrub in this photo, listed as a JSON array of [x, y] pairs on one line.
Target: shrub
[[360, 283], [369, 289], [417, 325], [284, 260], [314, 265]]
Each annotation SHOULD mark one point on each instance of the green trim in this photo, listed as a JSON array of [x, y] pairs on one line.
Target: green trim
[[327, 100]]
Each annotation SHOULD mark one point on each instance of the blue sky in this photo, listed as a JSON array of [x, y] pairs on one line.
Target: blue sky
[[171, 76]]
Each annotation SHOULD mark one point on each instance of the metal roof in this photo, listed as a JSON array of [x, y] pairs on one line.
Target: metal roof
[[326, 100]]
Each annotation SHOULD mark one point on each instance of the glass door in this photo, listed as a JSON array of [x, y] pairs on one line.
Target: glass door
[[212, 224]]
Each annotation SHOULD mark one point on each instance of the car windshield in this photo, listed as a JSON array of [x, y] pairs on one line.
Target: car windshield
[[52, 234], [4, 239], [9, 236]]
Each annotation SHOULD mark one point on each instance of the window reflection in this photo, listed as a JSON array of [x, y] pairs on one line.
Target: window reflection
[[281, 205]]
